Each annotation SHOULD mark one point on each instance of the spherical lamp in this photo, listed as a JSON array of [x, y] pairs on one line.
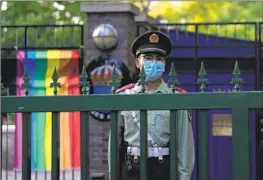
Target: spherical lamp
[[105, 36]]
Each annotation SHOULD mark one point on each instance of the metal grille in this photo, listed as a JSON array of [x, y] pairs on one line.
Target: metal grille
[[239, 102], [41, 36], [222, 32]]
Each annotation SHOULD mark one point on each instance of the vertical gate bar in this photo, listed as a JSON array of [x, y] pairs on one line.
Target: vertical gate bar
[[261, 158], [259, 161], [55, 130], [114, 138], [84, 145], [241, 156], [26, 149], [1, 145], [258, 85], [173, 128], [114, 145], [143, 145], [84, 131], [55, 146], [204, 175], [25, 37], [257, 57], [6, 142], [1, 126], [26, 132], [173, 145], [203, 81]]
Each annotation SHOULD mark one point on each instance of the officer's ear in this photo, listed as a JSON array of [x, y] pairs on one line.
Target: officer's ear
[[138, 63]]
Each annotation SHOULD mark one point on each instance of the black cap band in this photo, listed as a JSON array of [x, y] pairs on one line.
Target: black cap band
[[151, 50]]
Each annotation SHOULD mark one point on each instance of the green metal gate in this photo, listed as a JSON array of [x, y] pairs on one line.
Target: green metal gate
[[239, 102]]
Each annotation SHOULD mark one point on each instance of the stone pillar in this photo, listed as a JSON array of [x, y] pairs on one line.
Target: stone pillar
[[145, 23], [121, 16]]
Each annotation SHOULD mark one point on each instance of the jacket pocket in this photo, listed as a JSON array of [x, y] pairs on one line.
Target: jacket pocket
[[162, 121], [130, 119]]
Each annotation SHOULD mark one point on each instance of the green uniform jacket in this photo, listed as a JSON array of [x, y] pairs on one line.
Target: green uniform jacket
[[159, 129]]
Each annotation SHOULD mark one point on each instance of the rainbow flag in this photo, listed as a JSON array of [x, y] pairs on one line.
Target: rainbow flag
[[40, 64]]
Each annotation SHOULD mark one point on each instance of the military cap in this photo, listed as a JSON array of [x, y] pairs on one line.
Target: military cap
[[152, 42]]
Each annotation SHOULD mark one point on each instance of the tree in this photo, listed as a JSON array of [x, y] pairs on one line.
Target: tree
[[65, 12], [144, 5], [200, 12], [41, 13]]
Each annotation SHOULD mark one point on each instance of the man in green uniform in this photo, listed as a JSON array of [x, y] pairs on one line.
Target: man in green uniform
[[150, 50]]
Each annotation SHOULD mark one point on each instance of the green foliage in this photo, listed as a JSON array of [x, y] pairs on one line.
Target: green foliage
[[200, 12], [22, 13], [65, 12], [42, 13]]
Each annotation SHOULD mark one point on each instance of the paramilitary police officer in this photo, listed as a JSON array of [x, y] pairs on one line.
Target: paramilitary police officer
[[150, 50]]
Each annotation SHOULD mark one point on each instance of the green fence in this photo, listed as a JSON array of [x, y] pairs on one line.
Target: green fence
[[239, 102]]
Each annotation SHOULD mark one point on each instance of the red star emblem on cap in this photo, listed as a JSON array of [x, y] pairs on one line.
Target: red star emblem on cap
[[154, 38]]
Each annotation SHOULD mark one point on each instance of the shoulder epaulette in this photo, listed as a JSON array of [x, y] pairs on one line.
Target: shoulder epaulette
[[189, 111], [4, 116], [128, 86], [180, 90]]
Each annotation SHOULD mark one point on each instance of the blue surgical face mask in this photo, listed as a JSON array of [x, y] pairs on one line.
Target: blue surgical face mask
[[153, 69]]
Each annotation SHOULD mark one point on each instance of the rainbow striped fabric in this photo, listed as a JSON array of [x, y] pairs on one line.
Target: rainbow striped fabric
[[40, 65]]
